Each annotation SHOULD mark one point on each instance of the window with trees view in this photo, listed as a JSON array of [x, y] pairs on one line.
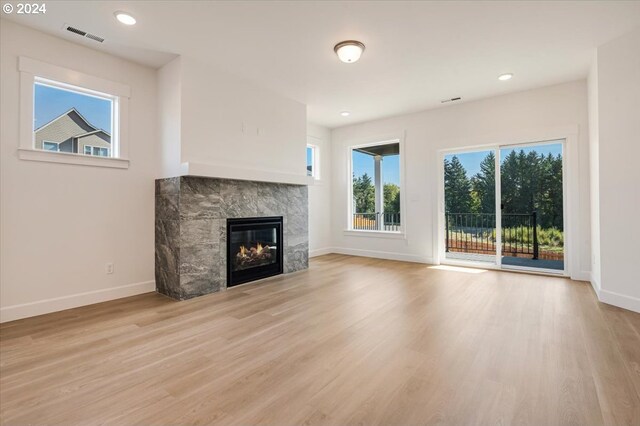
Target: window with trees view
[[376, 187]]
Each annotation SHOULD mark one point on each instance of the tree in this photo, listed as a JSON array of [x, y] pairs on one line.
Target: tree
[[457, 187], [484, 185], [391, 198], [364, 194]]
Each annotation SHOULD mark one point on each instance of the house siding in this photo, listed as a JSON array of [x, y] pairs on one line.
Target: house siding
[[62, 129]]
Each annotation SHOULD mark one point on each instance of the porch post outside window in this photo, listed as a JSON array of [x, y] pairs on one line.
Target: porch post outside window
[[379, 192]]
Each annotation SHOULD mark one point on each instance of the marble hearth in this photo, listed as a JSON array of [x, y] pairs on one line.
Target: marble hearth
[[190, 228]]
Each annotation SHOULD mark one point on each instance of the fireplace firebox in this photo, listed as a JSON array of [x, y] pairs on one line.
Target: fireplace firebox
[[254, 249]]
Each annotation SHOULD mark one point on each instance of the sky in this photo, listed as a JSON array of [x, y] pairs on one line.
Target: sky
[[363, 163], [50, 102], [471, 160]]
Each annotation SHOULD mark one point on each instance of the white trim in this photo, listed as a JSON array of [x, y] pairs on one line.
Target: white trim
[[320, 252], [382, 139], [72, 158], [315, 160], [382, 255], [225, 171], [32, 71], [376, 234], [620, 300], [25, 310], [72, 77]]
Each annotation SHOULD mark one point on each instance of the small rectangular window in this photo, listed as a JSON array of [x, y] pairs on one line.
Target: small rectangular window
[[375, 194], [65, 115], [50, 146], [100, 152], [313, 161]]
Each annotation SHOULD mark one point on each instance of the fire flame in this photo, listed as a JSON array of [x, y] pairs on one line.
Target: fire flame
[[244, 252]]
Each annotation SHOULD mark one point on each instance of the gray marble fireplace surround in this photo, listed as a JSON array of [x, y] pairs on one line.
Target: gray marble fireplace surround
[[191, 222]]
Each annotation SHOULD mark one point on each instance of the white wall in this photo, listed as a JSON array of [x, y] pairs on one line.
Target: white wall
[[525, 116], [320, 193], [618, 148], [169, 90], [60, 224], [229, 124]]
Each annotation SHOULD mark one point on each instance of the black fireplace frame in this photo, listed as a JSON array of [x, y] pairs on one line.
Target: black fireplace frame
[[243, 276]]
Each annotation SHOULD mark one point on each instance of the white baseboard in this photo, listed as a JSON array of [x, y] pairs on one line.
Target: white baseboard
[[25, 310], [382, 255], [320, 252], [582, 276], [619, 300]]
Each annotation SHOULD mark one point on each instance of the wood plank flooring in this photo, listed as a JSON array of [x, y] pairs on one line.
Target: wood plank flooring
[[350, 341]]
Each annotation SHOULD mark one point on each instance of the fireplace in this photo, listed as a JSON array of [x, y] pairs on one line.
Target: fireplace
[[254, 249]]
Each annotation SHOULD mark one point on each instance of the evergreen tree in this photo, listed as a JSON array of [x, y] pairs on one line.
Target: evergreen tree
[[457, 187], [484, 185], [364, 194]]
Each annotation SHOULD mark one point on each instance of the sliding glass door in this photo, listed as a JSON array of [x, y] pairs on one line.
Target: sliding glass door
[[504, 207], [470, 206], [531, 193]]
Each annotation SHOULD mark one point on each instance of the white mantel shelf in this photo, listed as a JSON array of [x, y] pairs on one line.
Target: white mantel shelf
[[228, 172]]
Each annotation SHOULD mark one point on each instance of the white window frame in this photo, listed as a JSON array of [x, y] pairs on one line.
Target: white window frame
[[57, 144], [397, 137], [315, 160], [32, 71]]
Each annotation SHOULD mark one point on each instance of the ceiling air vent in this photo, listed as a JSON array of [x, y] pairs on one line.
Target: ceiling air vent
[[95, 37], [444, 101], [83, 33], [76, 31]]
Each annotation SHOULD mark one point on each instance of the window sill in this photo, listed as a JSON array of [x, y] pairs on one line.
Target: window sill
[[69, 158], [375, 234]]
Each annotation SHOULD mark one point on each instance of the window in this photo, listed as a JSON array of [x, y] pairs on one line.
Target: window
[[62, 115], [375, 194], [50, 146], [313, 161], [96, 150], [63, 111]]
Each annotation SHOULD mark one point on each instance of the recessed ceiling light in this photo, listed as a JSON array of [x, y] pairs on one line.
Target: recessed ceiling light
[[345, 113], [125, 18], [349, 51], [505, 77]]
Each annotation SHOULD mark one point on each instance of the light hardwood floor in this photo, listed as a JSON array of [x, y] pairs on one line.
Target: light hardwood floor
[[350, 341]]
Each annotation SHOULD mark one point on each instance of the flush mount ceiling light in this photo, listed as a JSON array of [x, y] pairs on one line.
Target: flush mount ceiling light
[[505, 77], [349, 51], [345, 113], [125, 18]]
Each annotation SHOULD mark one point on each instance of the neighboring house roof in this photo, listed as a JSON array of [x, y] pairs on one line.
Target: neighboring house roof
[[92, 133], [69, 125], [67, 113]]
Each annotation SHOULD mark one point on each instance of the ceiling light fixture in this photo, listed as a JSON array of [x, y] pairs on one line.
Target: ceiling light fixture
[[125, 18], [505, 77], [349, 51], [345, 113]]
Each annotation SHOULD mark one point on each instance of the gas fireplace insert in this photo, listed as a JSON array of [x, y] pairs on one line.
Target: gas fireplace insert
[[254, 249]]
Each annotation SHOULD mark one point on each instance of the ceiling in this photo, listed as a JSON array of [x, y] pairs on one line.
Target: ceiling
[[417, 53]]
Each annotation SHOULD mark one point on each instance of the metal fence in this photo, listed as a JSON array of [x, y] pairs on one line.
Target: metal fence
[[376, 221], [476, 233]]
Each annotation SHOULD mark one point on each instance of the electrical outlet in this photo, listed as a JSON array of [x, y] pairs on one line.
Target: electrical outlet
[[109, 268]]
